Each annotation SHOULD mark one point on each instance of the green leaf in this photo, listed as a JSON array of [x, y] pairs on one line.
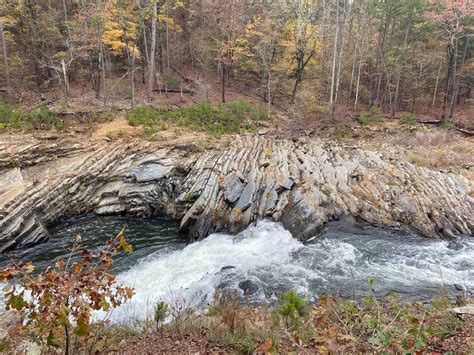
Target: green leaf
[[387, 338], [17, 301], [52, 341], [375, 341], [420, 344], [82, 328], [63, 316], [4, 346]]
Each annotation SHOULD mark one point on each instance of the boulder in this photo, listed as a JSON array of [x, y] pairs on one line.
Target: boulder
[[249, 287]]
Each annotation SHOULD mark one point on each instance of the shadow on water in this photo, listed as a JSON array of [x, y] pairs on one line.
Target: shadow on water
[[147, 235]]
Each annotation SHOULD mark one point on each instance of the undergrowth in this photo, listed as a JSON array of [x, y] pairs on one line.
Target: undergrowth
[[40, 118], [232, 117], [408, 119], [369, 325], [371, 117]]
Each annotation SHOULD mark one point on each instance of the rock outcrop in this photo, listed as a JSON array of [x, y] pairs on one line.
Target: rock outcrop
[[303, 185]]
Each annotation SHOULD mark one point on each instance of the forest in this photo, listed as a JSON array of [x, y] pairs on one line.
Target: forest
[[324, 58]]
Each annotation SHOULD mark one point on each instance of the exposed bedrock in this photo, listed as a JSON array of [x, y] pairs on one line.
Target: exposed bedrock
[[303, 185]]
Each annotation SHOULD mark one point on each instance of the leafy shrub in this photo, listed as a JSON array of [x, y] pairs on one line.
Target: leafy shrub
[[292, 309], [447, 124], [408, 119], [9, 116], [41, 118], [101, 117], [56, 304], [142, 116], [341, 131], [371, 117], [331, 325], [160, 312], [233, 117], [44, 119]]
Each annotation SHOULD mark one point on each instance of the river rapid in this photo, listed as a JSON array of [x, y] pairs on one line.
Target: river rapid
[[265, 260]]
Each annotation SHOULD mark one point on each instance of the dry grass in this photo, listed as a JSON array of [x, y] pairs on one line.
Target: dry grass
[[434, 149], [330, 325]]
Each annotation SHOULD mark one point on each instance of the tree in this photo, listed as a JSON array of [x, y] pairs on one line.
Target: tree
[[303, 31], [226, 25], [454, 17], [120, 34], [265, 44], [58, 302], [151, 60], [5, 56]]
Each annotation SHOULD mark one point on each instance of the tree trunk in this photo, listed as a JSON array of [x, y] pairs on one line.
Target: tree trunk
[[448, 81], [269, 95], [339, 64], [66, 81], [334, 61], [295, 87], [353, 69], [381, 50], [167, 44], [133, 81], [436, 86], [151, 62], [5, 58], [399, 73], [358, 77], [223, 81], [102, 63], [455, 80]]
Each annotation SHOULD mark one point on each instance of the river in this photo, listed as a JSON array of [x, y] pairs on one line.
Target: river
[[265, 260]]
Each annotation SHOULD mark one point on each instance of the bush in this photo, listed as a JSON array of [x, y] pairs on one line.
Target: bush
[[160, 312], [102, 117], [40, 118], [227, 307], [408, 119], [172, 81], [44, 119], [9, 116], [292, 309], [233, 117], [56, 305], [371, 117]]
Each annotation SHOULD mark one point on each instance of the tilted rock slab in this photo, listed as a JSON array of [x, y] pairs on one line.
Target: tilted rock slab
[[303, 185]]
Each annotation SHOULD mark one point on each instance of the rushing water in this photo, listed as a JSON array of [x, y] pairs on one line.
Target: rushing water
[[265, 260]]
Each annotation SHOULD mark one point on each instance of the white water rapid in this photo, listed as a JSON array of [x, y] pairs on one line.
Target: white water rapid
[[266, 260]]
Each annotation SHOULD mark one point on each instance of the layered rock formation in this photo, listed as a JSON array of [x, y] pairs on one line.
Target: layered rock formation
[[303, 185]]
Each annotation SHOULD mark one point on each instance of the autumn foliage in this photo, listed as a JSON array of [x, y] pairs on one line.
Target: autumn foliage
[[57, 303]]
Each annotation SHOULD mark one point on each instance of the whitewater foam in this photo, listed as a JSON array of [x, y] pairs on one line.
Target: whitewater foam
[[267, 257], [193, 273]]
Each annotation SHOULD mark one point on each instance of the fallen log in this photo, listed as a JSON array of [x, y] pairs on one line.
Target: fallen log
[[175, 90], [462, 130], [436, 122]]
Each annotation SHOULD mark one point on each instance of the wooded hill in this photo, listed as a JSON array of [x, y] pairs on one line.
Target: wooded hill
[[325, 56]]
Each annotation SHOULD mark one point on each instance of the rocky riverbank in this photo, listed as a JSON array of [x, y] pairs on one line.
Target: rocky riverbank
[[303, 184]]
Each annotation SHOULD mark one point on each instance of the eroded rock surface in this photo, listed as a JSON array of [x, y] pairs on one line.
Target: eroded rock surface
[[303, 185]]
